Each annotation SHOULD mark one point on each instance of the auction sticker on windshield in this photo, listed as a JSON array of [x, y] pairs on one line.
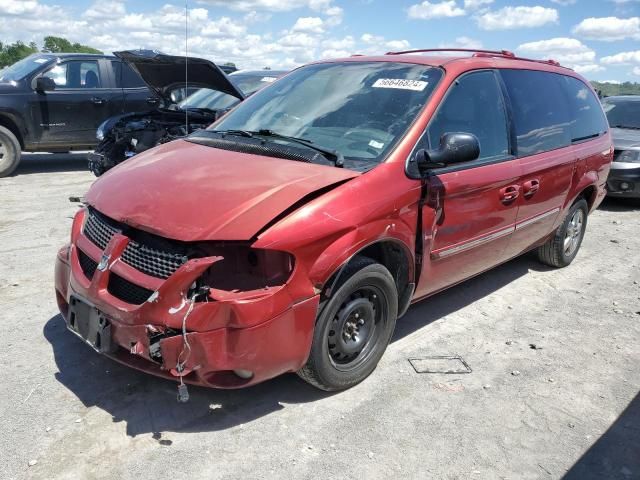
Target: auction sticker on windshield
[[417, 85]]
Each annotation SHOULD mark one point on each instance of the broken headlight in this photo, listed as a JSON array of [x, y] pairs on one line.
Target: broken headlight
[[100, 132], [245, 269]]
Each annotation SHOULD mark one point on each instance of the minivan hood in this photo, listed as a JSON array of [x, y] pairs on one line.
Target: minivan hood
[[163, 73], [625, 138], [185, 191]]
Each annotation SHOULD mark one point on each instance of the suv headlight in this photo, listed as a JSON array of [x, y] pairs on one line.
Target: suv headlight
[[628, 156], [100, 133]]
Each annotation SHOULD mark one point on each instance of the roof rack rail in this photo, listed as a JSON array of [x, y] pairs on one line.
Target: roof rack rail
[[502, 53], [479, 53]]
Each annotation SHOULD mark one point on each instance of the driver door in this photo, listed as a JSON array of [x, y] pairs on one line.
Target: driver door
[[470, 210], [83, 98]]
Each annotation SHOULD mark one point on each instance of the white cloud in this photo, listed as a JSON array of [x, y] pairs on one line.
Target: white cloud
[[427, 10], [18, 7], [564, 3], [105, 10], [270, 5], [636, 70], [473, 4], [517, 17], [609, 28], [615, 82], [377, 44], [622, 58], [570, 52], [309, 24], [462, 42]]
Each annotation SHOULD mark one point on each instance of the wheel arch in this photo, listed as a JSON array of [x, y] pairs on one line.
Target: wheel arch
[[9, 123], [394, 255]]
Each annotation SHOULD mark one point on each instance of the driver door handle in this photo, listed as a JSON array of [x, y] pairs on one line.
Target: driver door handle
[[510, 193], [98, 100], [530, 187], [152, 100]]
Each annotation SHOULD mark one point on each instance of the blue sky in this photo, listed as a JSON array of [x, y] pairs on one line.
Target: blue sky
[[599, 38]]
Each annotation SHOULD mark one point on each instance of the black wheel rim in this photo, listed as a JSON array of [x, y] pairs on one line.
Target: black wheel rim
[[356, 328]]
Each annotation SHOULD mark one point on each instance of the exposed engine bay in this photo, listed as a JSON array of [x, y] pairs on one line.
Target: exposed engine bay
[[131, 134]]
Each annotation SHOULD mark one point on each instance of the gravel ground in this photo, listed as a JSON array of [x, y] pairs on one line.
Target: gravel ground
[[568, 407]]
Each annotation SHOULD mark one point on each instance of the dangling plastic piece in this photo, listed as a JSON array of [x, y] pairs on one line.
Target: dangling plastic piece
[[183, 393]]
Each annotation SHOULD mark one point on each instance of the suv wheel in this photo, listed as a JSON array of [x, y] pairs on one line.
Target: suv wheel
[[562, 248], [9, 151], [353, 327]]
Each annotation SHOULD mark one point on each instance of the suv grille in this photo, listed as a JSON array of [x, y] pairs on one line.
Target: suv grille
[[87, 264], [126, 291], [151, 261]]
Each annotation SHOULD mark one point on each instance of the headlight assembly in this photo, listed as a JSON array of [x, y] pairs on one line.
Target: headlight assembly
[[628, 156]]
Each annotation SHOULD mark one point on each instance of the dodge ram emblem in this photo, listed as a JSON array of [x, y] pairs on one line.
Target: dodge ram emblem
[[104, 262]]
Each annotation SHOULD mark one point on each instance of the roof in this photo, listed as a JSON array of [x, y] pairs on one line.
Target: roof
[[629, 98], [463, 59]]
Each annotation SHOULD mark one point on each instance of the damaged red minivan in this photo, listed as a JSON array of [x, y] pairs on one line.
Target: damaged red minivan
[[291, 234]]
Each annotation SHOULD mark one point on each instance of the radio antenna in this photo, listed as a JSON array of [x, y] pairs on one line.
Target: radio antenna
[[186, 62]]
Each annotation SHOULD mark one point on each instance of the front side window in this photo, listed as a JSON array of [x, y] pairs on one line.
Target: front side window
[[358, 109], [474, 105], [540, 110], [75, 74], [23, 68], [587, 119]]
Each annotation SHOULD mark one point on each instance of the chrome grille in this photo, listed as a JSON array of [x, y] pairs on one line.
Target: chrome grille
[[151, 261]]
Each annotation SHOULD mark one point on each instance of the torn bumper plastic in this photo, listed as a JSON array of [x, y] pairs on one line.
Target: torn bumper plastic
[[266, 333]]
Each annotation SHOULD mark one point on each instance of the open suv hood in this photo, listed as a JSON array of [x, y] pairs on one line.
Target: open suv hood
[[185, 191], [163, 73]]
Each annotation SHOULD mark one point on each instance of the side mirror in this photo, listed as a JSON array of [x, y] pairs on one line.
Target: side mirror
[[45, 84], [454, 148]]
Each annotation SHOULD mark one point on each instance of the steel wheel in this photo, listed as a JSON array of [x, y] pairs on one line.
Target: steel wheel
[[355, 328], [573, 233]]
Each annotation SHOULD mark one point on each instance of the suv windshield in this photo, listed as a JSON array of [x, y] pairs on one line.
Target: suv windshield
[[356, 109], [24, 67], [214, 100], [622, 113]]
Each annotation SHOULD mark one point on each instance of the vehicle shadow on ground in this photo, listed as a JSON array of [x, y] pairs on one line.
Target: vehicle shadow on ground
[[620, 204], [616, 454], [51, 162], [148, 404]]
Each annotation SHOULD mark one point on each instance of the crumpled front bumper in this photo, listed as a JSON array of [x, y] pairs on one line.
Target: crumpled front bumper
[[266, 334]]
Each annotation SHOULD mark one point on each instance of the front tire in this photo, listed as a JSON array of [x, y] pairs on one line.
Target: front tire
[[353, 327], [9, 152], [562, 248]]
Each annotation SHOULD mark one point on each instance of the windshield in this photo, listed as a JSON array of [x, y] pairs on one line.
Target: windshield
[[622, 113], [215, 100], [24, 67], [357, 109]]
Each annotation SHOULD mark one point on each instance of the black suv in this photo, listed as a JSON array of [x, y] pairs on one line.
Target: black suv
[[55, 102]]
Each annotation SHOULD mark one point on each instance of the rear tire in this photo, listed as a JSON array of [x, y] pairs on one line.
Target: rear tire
[[353, 327], [562, 248], [9, 152]]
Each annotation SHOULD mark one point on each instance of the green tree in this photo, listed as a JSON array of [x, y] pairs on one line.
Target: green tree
[[62, 45], [606, 89], [11, 53]]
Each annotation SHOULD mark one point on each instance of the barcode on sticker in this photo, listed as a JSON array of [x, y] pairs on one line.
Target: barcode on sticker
[[417, 85]]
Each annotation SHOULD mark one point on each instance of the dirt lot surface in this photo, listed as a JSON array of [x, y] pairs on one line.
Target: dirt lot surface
[[554, 389]]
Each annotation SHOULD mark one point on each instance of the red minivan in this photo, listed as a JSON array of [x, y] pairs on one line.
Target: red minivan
[[292, 234]]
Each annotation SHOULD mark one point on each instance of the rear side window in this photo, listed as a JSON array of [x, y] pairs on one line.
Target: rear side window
[[125, 76], [474, 105], [587, 119], [540, 110]]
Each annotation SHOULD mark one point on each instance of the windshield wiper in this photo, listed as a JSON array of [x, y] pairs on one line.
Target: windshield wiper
[[628, 127], [333, 155], [237, 133]]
